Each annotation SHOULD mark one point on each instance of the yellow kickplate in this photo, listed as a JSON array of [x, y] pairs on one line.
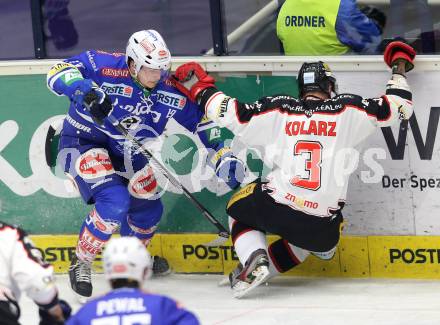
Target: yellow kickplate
[[405, 256], [58, 250], [186, 253], [357, 256], [353, 257]]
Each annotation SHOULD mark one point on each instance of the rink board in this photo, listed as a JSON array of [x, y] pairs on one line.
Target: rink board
[[394, 188], [357, 256]]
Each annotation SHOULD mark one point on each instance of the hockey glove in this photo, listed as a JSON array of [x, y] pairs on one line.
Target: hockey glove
[[376, 15], [192, 79], [62, 29], [230, 169], [78, 89], [396, 51], [47, 318], [98, 104]]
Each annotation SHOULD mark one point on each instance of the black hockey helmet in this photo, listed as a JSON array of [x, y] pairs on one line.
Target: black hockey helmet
[[316, 76]]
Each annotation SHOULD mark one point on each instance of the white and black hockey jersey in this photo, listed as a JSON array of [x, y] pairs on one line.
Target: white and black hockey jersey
[[22, 270], [307, 142]]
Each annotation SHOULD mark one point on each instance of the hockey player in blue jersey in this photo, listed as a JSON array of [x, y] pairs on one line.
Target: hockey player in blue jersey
[[127, 264], [134, 88]]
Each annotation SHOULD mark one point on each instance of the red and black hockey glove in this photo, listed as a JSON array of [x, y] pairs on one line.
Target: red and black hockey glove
[[192, 79], [396, 51]]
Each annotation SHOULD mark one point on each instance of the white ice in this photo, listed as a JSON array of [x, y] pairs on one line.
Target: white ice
[[288, 300]]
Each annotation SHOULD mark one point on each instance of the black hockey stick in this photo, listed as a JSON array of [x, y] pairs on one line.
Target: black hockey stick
[[223, 234]]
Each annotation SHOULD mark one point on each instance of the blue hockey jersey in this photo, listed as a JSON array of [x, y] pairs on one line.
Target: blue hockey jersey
[[143, 113], [132, 307]]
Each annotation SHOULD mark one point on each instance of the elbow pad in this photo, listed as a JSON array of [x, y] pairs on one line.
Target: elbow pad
[[398, 81]]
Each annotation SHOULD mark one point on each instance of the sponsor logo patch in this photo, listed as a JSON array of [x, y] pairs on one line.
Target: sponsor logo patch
[[143, 184], [60, 67], [116, 54], [70, 77], [91, 58], [309, 78], [107, 227], [89, 244], [119, 268], [131, 122], [169, 99], [117, 89], [93, 164], [244, 192], [149, 47], [115, 73]]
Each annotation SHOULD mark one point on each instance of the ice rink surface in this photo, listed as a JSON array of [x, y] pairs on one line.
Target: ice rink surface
[[288, 300]]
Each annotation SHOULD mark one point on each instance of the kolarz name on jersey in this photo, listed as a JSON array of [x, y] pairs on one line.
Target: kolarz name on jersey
[[320, 128]]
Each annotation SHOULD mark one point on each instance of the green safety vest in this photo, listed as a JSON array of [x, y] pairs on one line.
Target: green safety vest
[[307, 27]]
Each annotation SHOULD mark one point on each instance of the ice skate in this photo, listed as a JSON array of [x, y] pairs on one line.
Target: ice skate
[[81, 279], [160, 266], [255, 272], [234, 274]]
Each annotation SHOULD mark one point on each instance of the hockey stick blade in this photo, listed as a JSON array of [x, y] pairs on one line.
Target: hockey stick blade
[[219, 241]]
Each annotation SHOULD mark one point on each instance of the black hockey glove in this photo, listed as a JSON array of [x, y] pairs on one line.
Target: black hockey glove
[[47, 319], [98, 104], [9, 311], [376, 15], [62, 29]]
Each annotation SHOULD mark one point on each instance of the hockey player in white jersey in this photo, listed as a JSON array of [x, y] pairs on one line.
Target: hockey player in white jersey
[[21, 269], [302, 139]]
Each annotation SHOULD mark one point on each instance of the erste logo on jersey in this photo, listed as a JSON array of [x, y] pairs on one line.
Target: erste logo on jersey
[[115, 73], [173, 100], [117, 89]]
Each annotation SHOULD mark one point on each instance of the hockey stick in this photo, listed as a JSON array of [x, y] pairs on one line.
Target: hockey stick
[[223, 234]]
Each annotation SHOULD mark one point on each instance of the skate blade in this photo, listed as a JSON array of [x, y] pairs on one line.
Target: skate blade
[[243, 288], [162, 274]]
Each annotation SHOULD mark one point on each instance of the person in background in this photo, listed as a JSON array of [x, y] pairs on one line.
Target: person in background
[[304, 140], [109, 172], [60, 25], [127, 264], [22, 270], [331, 27]]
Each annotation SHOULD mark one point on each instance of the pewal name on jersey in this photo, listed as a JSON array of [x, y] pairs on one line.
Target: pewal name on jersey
[[117, 89], [320, 128], [174, 100]]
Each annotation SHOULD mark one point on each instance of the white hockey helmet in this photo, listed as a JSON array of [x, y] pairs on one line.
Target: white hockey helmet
[[148, 49], [127, 258]]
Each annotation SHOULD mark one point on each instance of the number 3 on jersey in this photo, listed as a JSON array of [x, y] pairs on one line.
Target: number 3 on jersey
[[310, 178]]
